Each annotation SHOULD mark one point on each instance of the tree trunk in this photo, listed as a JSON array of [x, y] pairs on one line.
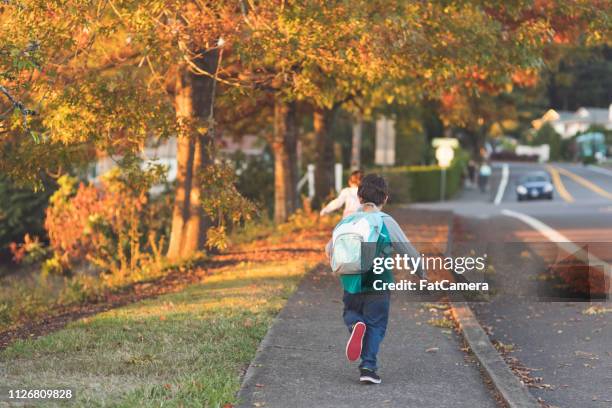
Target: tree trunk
[[194, 97], [324, 171], [198, 222], [356, 144], [182, 202], [284, 146]]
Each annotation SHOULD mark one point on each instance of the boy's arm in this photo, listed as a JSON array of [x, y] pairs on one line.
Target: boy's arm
[[401, 244], [335, 203]]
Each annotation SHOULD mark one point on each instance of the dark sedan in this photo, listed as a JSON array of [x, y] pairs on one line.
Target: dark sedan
[[534, 185]]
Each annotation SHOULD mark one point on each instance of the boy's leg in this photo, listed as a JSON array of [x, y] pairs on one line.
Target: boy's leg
[[353, 307], [376, 316], [353, 318]]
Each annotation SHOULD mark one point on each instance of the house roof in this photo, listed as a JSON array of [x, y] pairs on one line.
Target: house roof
[[582, 115], [596, 115]]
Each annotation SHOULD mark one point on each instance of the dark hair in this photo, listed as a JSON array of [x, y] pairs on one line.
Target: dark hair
[[355, 177], [373, 189]]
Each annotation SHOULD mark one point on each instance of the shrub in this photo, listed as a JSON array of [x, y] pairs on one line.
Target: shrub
[[30, 251], [53, 266], [114, 226], [223, 203], [67, 220], [79, 289]]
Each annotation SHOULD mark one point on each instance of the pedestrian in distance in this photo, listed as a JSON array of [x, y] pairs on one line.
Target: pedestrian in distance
[[483, 176], [471, 169]]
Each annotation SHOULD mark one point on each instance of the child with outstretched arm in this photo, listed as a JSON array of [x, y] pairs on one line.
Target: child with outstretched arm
[[347, 197]]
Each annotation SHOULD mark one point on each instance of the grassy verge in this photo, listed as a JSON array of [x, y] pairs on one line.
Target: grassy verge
[[29, 295], [181, 349]]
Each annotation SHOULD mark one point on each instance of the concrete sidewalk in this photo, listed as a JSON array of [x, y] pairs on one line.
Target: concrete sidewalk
[[301, 361]]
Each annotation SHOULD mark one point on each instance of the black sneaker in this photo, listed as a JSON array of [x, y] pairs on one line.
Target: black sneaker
[[369, 376]]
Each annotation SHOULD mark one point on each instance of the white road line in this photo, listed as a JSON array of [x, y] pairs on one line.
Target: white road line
[[562, 242], [600, 170], [502, 184], [538, 225]]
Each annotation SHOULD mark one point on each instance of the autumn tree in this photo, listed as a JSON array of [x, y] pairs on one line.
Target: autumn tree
[[106, 76], [506, 56], [315, 54], [109, 75]]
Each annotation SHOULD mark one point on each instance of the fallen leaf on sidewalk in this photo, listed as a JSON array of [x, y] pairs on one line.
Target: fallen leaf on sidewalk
[[439, 306], [432, 349], [595, 310], [587, 355], [442, 323], [504, 347]]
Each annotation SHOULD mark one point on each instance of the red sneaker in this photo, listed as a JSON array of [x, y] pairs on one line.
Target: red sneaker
[[355, 342]]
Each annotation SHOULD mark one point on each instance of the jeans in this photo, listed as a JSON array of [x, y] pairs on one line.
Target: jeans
[[371, 308]]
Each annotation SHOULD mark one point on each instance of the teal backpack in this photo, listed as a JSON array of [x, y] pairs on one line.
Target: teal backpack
[[348, 255]]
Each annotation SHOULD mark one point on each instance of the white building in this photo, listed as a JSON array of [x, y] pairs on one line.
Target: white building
[[165, 153], [567, 123]]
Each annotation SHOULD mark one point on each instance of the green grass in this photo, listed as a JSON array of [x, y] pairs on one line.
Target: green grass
[[185, 349]]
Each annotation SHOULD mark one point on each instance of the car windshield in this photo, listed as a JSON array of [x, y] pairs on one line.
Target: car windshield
[[535, 178]]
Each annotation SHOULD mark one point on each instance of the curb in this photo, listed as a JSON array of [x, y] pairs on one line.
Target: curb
[[254, 366], [511, 390]]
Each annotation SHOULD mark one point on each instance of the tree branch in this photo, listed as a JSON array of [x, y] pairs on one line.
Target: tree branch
[[19, 105]]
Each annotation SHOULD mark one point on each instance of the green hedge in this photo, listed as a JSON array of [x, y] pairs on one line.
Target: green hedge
[[422, 183]]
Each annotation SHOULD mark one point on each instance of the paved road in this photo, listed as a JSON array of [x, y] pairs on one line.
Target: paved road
[[570, 350]]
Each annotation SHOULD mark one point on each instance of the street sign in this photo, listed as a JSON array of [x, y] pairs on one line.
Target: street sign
[[384, 154], [444, 155], [447, 141], [445, 150]]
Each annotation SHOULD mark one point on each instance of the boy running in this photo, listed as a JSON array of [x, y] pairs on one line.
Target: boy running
[[366, 310]]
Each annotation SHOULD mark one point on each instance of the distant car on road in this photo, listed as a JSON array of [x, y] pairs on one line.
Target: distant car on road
[[534, 185]]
